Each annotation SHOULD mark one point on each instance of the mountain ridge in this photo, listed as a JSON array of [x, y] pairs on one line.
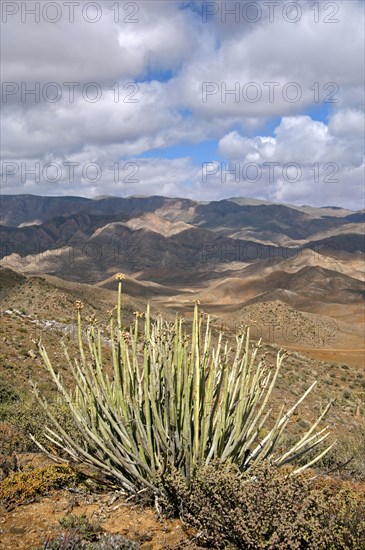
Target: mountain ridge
[[231, 254]]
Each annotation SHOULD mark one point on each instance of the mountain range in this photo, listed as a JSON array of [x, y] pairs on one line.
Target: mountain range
[[236, 255]]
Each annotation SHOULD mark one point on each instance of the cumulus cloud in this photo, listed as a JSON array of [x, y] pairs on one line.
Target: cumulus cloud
[[138, 121], [277, 68], [95, 172], [306, 158], [122, 43], [171, 73]]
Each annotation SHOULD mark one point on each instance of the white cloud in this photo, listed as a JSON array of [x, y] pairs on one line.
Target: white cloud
[[279, 53], [155, 35], [171, 37], [348, 123], [312, 159]]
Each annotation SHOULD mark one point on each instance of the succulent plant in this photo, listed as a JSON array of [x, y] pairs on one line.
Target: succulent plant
[[171, 399]]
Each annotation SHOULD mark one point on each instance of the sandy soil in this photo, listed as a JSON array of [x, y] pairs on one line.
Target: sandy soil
[[26, 527]]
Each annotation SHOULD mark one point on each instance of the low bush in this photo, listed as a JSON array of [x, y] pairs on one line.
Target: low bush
[[81, 525], [23, 415], [71, 540], [7, 394], [347, 458], [81, 533], [25, 486], [267, 508], [9, 443]]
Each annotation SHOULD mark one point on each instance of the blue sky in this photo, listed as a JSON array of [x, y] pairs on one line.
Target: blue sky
[[209, 149]]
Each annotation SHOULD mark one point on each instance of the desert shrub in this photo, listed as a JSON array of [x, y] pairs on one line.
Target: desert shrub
[[10, 439], [346, 393], [170, 399], [113, 542], [348, 456], [70, 540], [344, 511], [81, 525], [7, 394], [25, 486], [81, 533], [267, 508], [24, 415], [9, 443]]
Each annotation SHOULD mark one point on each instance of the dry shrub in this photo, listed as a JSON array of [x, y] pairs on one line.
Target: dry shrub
[[26, 486], [9, 443], [80, 533], [24, 416], [10, 439], [71, 540], [348, 456], [268, 508]]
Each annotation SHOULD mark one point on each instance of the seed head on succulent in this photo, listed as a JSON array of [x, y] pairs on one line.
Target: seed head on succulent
[[111, 311], [79, 305], [126, 336], [120, 276], [139, 314]]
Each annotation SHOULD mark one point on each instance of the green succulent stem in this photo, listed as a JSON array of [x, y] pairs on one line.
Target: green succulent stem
[[171, 398]]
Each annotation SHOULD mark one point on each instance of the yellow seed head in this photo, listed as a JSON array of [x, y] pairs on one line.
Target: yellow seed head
[[138, 314], [111, 311]]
